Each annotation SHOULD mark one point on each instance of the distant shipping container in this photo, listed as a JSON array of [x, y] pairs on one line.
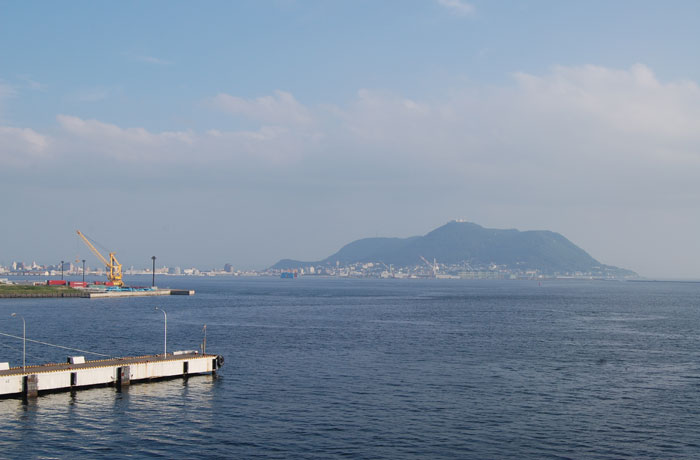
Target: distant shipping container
[[77, 284], [56, 282]]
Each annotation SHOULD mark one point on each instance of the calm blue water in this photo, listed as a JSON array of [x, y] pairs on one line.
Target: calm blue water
[[321, 368]]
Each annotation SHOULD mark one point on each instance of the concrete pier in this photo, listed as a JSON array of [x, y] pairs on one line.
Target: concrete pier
[[76, 374], [110, 294], [102, 294]]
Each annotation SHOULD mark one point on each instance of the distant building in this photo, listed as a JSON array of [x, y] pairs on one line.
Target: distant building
[[228, 268]]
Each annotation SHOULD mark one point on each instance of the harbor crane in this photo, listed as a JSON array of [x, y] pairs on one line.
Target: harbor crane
[[114, 268], [389, 267], [433, 266]]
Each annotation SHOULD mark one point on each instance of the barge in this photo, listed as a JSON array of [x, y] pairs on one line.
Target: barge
[[76, 373]]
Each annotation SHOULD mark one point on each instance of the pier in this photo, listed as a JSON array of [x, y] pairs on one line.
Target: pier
[[90, 294], [148, 293], [31, 381]]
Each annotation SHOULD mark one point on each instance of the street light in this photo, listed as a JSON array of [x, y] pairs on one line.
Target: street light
[[61, 269], [165, 343], [83, 270], [153, 283], [24, 341]]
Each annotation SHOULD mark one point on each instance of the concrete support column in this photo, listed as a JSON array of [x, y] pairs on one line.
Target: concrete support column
[[123, 376], [30, 386]]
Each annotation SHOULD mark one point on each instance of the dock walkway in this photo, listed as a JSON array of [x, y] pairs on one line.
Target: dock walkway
[[32, 380], [87, 294]]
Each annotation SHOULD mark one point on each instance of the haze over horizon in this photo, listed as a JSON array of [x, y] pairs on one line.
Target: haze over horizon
[[247, 132]]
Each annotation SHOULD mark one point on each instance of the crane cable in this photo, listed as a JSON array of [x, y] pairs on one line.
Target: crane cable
[[57, 346]]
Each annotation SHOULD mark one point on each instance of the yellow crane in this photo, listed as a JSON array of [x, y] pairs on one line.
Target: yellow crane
[[114, 268]]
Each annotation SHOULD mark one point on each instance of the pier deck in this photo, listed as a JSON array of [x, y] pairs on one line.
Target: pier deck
[[33, 380], [95, 294], [155, 292]]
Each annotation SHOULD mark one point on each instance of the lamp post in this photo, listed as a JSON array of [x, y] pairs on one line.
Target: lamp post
[[24, 341], [83, 270], [165, 342], [153, 283], [61, 269]]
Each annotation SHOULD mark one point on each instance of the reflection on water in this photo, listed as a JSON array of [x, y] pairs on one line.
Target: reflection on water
[[101, 420]]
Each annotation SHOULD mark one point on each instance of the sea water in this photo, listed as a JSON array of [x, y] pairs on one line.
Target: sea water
[[331, 368]]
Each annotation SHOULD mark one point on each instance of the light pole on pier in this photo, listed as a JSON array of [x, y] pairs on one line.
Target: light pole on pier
[[24, 341], [165, 342], [61, 269], [153, 283], [83, 270]]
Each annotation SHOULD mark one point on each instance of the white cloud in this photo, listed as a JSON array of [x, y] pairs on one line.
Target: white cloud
[[458, 6], [21, 146], [126, 144], [273, 145], [554, 150], [569, 111], [280, 108], [567, 122], [627, 102]]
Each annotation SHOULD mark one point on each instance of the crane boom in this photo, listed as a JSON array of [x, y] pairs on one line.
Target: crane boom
[[114, 268], [433, 266]]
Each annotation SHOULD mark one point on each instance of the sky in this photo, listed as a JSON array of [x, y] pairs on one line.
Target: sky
[[244, 132]]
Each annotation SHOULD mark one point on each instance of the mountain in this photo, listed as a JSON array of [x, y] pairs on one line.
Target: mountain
[[458, 242]]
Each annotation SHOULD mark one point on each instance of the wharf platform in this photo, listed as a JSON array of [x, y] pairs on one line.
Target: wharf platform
[[95, 294], [78, 374], [155, 292]]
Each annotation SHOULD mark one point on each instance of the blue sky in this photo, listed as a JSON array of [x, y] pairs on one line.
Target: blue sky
[[249, 131]]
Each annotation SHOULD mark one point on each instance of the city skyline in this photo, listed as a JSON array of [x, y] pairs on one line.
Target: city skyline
[[245, 132]]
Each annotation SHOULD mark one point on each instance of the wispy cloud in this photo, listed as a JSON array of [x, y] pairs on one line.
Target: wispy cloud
[[6, 91], [280, 108], [29, 83], [458, 6], [147, 59], [153, 60], [95, 94]]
